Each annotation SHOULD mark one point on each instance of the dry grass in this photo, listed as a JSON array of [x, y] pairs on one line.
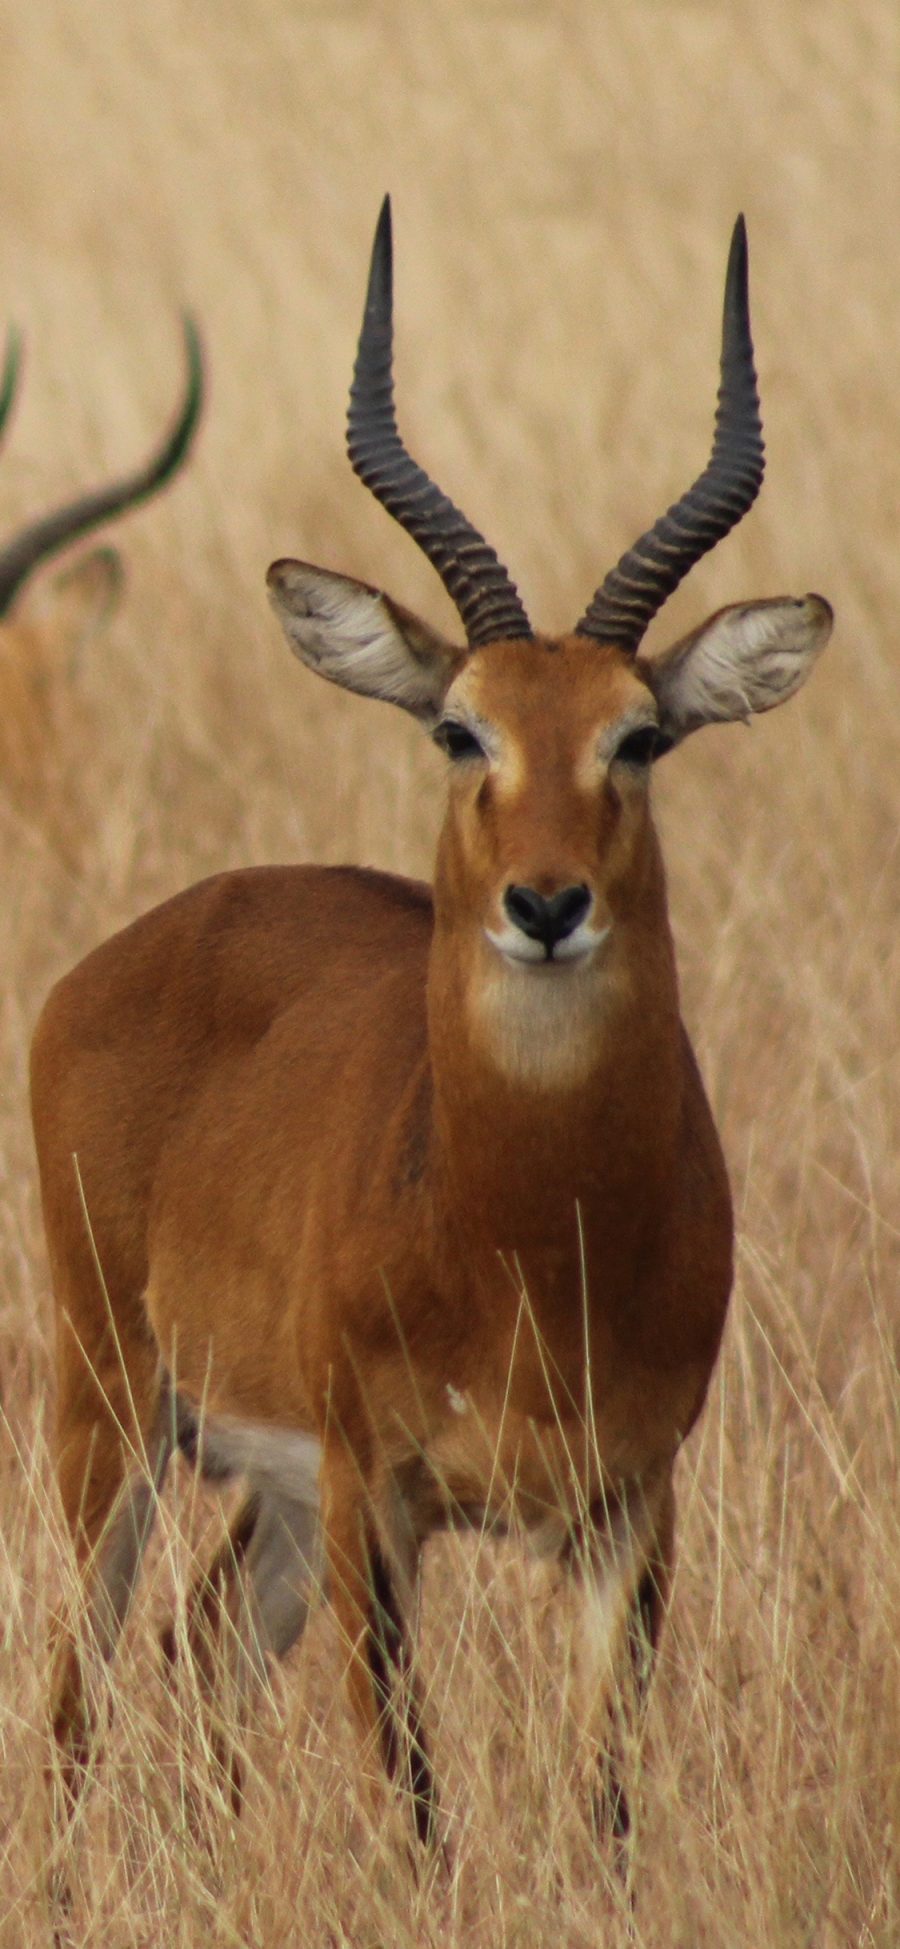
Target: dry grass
[[565, 179]]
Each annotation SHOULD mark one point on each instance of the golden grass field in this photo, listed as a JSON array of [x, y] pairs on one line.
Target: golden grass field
[[564, 180]]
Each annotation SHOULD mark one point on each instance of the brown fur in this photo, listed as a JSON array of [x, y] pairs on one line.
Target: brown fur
[[319, 1203]]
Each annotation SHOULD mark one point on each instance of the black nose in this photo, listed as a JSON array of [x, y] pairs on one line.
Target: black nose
[[547, 920]]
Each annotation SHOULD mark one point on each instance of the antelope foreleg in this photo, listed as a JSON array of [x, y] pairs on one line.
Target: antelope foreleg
[[389, 1652], [623, 1567], [371, 1591]]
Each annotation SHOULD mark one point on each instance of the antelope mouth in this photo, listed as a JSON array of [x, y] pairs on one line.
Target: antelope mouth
[[545, 957]]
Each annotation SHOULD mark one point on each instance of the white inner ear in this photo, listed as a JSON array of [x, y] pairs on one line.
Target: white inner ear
[[745, 659], [358, 637]]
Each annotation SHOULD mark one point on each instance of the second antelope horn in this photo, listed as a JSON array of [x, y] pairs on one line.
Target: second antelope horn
[[10, 381], [55, 530]]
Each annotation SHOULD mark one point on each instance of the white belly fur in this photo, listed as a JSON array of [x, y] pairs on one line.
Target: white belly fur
[[283, 1461]]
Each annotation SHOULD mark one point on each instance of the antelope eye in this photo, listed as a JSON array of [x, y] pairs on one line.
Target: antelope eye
[[640, 747], [457, 740]]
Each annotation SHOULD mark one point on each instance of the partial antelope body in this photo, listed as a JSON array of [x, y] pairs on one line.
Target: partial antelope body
[[412, 1198], [43, 626]]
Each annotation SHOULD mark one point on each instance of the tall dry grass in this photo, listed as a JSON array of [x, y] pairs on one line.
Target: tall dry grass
[[565, 180]]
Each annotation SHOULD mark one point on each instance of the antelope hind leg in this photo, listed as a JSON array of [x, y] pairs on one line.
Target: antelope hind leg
[[251, 1603], [109, 1491]]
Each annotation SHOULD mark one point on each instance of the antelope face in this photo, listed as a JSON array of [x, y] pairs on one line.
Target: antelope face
[[543, 850], [547, 856]]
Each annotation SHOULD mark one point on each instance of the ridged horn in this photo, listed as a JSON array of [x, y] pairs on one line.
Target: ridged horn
[[638, 586], [54, 531], [9, 383], [487, 600]]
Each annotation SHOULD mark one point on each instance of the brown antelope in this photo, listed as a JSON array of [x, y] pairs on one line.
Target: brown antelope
[[407, 1203], [41, 629]]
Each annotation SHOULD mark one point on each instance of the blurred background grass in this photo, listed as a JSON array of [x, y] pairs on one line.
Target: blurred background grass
[[564, 180]]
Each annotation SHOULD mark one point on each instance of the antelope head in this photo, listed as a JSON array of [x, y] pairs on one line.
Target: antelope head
[[548, 862]]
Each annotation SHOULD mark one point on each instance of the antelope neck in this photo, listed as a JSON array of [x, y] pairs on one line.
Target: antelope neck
[[600, 1076]]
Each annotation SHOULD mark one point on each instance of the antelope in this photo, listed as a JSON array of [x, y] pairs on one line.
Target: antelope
[[407, 1203], [43, 627]]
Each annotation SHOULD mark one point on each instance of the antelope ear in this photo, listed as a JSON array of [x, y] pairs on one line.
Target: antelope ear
[[356, 636], [75, 604], [80, 598], [746, 658]]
